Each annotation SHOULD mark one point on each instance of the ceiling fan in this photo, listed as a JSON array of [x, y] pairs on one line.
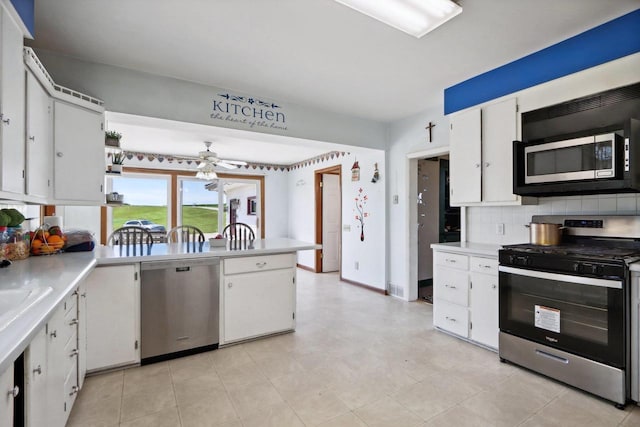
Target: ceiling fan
[[210, 159]]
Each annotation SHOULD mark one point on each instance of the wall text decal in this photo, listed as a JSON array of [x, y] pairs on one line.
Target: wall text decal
[[249, 111]]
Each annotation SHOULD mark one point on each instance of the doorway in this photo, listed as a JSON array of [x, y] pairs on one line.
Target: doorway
[[438, 222], [328, 210]]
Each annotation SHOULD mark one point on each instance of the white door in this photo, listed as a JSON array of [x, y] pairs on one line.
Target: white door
[[6, 397], [331, 222], [113, 317], [428, 200], [36, 381], [39, 144], [11, 107], [79, 165], [465, 175], [498, 133], [484, 309]]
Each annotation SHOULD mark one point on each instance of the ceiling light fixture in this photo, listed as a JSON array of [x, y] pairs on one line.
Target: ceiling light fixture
[[207, 173], [415, 17]]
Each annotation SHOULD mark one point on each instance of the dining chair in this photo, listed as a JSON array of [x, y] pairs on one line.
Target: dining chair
[[185, 234], [130, 235], [238, 231]]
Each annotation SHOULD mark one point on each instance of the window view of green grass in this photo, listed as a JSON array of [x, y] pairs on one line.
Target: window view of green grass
[[205, 217]]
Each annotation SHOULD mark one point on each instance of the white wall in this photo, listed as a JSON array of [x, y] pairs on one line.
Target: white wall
[[144, 94], [241, 193], [407, 136], [370, 253]]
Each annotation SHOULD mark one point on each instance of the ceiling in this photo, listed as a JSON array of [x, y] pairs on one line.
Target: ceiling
[[316, 53]]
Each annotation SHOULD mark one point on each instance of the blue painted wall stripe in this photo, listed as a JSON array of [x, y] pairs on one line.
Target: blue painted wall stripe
[[607, 42], [26, 10]]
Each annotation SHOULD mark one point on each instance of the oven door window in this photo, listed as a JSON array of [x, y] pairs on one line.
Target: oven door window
[[586, 320]]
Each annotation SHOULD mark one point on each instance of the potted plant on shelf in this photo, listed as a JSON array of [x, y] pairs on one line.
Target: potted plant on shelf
[[112, 139], [117, 159]]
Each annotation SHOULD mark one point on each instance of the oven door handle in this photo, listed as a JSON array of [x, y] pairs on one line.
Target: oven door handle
[[615, 284]]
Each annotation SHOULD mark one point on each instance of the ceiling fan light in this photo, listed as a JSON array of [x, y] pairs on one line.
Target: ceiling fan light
[[206, 174]]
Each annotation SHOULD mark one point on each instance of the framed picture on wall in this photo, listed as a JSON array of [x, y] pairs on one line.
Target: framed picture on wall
[[251, 205]]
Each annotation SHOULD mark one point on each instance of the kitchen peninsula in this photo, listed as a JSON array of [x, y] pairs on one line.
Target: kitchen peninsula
[[51, 298]]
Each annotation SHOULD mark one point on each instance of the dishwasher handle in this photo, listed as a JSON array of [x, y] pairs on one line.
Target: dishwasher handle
[[184, 265]]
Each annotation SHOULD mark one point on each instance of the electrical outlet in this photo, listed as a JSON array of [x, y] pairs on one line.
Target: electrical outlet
[[357, 265], [346, 227], [499, 228]]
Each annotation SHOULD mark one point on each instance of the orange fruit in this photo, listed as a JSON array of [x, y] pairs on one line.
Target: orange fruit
[[36, 244]]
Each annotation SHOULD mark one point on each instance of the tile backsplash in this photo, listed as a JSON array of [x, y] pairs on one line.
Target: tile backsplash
[[482, 222]]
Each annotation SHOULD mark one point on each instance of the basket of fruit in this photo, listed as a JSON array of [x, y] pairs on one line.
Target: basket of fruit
[[47, 241]]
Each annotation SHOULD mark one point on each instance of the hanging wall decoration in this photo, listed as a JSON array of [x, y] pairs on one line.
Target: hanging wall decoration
[[376, 174], [355, 172], [361, 205]]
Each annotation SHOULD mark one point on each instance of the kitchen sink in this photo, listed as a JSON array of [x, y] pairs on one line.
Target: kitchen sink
[[14, 302]]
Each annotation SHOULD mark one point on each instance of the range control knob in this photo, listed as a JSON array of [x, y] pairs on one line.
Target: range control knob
[[576, 267]]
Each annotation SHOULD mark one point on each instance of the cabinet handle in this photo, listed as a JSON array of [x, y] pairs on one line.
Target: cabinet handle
[[73, 322], [6, 121], [74, 390], [83, 295], [14, 392], [450, 287], [229, 285], [494, 286], [484, 266], [32, 138], [59, 154], [453, 261], [54, 334], [487, 164], [74, 352], [477, 165], [450, 319], [260, 264], [38, 370]]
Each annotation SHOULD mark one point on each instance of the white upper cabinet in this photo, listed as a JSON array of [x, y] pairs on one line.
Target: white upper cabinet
[[465, 158], [78, 167], [12, 81], [39, 141], [481, 155]]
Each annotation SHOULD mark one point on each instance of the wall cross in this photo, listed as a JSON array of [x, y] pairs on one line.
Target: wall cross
[[429, 127]]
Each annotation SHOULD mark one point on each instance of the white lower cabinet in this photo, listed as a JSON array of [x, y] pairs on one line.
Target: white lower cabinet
[[258, 296], [113, 317], [484, 301], [465, 296], [51, 373], [6, 397]]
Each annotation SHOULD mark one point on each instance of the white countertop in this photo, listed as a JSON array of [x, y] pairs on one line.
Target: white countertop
[[63, 272], [469, 248]]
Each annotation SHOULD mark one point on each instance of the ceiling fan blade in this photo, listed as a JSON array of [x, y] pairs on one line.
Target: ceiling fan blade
[[202, 165], [234, 162], [226, 165]]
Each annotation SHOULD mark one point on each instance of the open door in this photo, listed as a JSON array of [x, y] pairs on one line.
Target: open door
[[328, 219]]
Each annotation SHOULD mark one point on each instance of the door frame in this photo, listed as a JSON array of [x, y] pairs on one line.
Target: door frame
[[332, 170]]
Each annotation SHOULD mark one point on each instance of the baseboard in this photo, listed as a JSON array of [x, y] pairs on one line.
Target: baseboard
[[362, 285], [304, 267]]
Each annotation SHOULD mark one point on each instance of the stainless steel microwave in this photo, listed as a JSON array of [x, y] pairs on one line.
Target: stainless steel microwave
[[602, 162], [591, 157]]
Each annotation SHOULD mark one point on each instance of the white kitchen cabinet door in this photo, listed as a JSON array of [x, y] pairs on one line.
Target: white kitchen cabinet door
[[113, 317], [57, 338], [484, 309], [499, 130], [465, 178], [82, 333], [36, 381], [258, 303], [12, 84], [78, 168], [39, 140], [6, 397]]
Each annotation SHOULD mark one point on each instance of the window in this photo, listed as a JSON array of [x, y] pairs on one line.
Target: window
[[145, 204], [199, 206]]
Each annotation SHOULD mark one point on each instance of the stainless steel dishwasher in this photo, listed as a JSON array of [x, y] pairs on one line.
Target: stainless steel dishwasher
[[179, 303]]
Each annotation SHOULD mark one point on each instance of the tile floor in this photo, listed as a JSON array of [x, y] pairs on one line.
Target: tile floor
[[357, 358]]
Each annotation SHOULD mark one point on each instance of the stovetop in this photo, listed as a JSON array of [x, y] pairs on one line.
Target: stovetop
[[617, 250]]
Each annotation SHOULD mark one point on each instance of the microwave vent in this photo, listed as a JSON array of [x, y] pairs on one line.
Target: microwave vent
[[602, 99]]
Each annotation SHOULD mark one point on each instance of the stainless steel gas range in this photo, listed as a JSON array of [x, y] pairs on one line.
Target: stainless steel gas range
[[565, 310]]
